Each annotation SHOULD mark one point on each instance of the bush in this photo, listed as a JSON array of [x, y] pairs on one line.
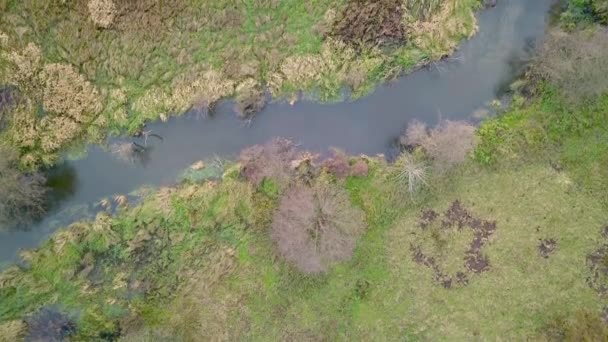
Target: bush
[[271, 160], [448, 144], [576, 63], [360, 168], [22, 195], [250, 99], [338, 164], [49, 325], [316, 227]]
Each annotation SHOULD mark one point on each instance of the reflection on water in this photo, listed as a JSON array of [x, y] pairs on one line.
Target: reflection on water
[[452, 89]]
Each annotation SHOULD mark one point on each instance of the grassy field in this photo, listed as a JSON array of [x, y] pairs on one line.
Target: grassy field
[[514, 252], [509, 243], [125, 63]]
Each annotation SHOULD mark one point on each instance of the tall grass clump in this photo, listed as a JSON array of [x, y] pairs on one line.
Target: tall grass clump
[[413, 173]]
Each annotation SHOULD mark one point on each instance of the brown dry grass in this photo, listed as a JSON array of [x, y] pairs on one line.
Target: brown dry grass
[[102, 12]]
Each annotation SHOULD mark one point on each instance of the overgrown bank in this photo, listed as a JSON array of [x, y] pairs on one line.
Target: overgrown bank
[[494, 233], [83, 69], [500, 232]]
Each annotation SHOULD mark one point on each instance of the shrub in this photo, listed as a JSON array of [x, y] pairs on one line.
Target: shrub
[[574, 62], [338, 164], [360, 168], [250, 99], [49, 325], [271, 160], [600, 9], [316, 227], [22, 195], [448, 144]]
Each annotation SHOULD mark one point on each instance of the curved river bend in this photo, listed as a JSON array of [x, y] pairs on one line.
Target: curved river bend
[[453, 89]]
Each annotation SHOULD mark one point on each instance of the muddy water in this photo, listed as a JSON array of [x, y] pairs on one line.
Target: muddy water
[[453, 89]]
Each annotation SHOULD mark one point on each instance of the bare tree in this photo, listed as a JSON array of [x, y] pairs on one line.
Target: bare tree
[[316, 227], [575, 62], [448, 143], [270, 160]]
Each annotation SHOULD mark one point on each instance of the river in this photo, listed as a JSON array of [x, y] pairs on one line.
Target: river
[[478, 72]]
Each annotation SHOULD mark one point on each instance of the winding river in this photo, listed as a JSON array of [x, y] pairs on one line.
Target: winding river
[[478, 72]]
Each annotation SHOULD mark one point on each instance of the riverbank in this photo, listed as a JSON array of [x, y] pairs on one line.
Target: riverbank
[[486, 63], [509, 242], [88, 69]]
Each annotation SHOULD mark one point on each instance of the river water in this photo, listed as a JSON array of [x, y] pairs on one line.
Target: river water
[[478, 72]]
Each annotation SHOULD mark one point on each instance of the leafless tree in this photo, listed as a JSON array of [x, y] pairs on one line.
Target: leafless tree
[[448, 143], [270, 160], [316, 227]]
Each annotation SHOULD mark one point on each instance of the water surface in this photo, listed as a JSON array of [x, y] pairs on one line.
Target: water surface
[[452, 89]]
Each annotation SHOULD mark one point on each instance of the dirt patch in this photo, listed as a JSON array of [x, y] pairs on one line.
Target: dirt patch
[[366, 23], [597, 262], [546, 247], [454, 220]]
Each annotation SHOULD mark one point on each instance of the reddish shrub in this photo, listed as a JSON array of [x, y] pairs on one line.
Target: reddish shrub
[[360, 169], [338, 164], [316, 227], [271, 160]]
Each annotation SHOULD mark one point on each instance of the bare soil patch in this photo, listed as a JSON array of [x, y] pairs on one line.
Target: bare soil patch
[[597, 262], [456, 219], [546, 247]]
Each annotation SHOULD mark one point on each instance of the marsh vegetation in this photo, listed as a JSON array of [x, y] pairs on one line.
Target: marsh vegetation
[[495, 232]]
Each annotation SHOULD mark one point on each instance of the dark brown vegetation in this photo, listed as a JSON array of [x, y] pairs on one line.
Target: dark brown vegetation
[[22, 195], [597, 261], [365, 23], [270, 160], [546, 247], [457, 218], [316, 227], [8, 100], [49, 325], [448, 144], [250, 99], [575, 62]]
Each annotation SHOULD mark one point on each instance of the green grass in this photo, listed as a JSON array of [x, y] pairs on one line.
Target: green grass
[[147, 65], [218, 274]]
